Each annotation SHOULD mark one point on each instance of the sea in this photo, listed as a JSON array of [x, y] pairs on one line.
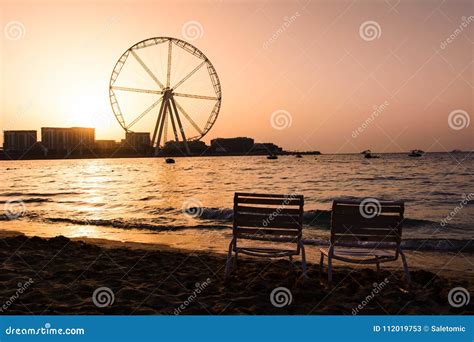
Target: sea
[[141, 199]]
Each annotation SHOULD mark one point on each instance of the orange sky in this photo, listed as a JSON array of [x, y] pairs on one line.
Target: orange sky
[[310, 59]]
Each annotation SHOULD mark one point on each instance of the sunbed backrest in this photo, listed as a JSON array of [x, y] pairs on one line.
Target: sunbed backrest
[[367, 220]]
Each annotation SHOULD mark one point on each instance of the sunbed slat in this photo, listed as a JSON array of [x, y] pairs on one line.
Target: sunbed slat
[[261, 210], [266, 231], [356, 209], [361, 222], [271, 201], [363, 238], [365, 231]]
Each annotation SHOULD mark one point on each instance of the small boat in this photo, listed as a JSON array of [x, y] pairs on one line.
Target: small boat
[[169, 161], [371, 156], [299, 156], [272, 156], [416, 153]]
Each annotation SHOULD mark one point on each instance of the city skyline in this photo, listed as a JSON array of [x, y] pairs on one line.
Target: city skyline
[[289, 74]]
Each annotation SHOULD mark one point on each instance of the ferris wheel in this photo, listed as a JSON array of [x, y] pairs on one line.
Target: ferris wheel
[[166, 85]]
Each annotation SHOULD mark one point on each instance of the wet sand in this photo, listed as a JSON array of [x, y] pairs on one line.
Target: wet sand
[[60, 275]]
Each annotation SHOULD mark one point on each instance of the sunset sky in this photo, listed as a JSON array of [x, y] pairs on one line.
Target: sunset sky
[[310, 62]]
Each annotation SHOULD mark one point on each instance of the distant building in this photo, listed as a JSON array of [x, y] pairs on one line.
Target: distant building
[[178, 148], [269, 148], [18, 141], [232, 145], [138, 140], [70, 140], [106, 144]]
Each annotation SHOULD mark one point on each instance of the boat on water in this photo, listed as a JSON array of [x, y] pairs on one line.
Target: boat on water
[[371, 156], [272, 156], [416, 153]]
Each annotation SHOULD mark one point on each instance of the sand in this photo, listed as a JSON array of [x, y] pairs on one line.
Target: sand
[[60, 276]]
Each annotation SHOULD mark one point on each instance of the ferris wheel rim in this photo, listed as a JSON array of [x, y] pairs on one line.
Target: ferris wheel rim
[[196, 52]]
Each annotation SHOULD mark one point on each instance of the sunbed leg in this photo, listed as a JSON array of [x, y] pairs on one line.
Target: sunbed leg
[[303, 260], [236, 259], [331, 252], [228, 265], [405, 267], [321, 264]]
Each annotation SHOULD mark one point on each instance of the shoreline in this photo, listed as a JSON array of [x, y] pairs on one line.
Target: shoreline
[[283, 154], [156, 279], [447, 263]]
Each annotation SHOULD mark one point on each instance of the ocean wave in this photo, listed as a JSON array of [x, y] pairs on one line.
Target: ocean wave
[[127, 224], [225, 215], [318, 218], [38, 194], [31, 200]]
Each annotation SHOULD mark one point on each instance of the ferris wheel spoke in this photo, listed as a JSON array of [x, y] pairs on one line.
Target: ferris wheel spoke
[[144, 113], [148, 71], [189, 75], [138, 90], [202, 97], [191, 121], [168, 73]]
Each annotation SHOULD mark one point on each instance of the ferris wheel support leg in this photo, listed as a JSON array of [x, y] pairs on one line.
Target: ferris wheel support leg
[[160, 130], [185, 142], [156, 127], [176, 138]]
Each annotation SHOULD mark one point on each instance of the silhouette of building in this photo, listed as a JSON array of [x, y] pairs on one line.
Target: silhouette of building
[[69, 140], [18, 141], [178, 148], [138, 140], [232, 145], [106, 144], [269, 148]]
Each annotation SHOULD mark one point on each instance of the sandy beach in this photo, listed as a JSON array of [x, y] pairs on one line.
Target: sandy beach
[[60, 275]]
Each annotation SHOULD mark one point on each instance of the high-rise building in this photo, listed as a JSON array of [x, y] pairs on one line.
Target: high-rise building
[[18, 141], [59, 139], [138, 140]]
